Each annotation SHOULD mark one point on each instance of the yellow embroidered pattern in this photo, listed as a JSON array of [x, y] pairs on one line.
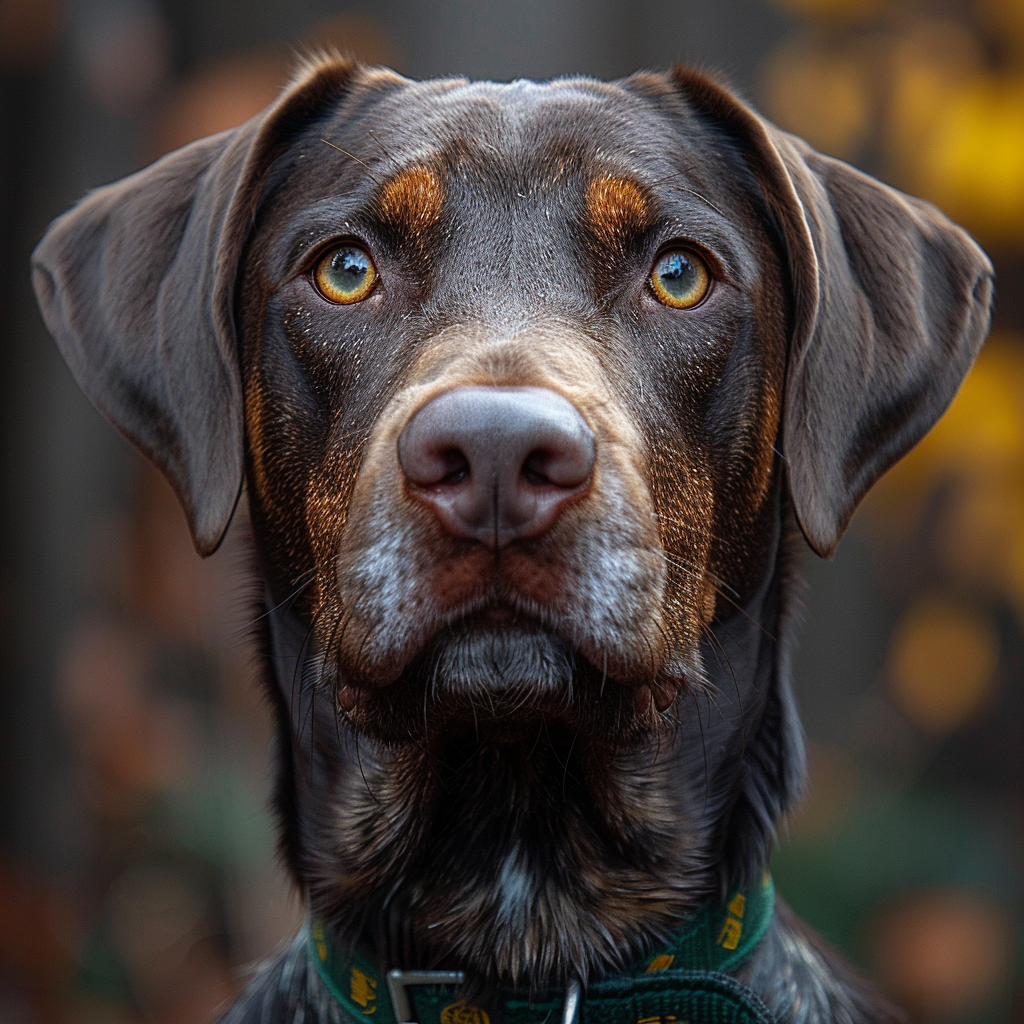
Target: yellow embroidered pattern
[[463, 1013], [732, 929], [363, 990], [318, 940], [660, 963]]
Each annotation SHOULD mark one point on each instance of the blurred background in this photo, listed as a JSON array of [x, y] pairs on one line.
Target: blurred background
[[137, 867]]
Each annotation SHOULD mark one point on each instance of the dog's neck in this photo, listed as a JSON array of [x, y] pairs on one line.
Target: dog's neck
[[512, 862]]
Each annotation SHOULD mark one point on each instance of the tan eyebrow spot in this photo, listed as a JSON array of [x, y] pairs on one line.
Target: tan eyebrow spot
[[413, 198], [617, 207]]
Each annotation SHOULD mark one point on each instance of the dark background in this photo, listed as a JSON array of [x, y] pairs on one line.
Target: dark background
[[137, 871]]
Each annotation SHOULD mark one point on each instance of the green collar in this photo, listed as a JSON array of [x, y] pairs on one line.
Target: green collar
[[687, 982]]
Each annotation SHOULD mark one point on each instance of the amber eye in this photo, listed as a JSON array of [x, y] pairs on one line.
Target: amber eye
[[680, 279], [345, 274]]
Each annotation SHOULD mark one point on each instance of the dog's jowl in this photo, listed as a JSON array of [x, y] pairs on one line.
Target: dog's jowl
[[534, 390]]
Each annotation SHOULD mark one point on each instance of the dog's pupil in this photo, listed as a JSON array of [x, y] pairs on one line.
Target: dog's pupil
[[350, 266], [677, 274]]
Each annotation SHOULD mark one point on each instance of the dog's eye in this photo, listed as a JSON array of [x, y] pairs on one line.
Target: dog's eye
[[345, 274], [680, 279]]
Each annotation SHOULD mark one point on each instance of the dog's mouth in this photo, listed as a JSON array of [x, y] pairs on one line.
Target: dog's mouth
[[500, 675]]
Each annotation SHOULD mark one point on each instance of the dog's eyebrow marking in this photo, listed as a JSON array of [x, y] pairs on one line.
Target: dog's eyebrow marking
[[618, 208], [413, 198]]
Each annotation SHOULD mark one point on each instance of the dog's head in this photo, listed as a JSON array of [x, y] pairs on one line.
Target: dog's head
[[523, 380]]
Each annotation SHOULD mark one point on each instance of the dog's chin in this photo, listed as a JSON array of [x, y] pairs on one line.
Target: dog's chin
[[509, 814], [499, 680], [485, 657]]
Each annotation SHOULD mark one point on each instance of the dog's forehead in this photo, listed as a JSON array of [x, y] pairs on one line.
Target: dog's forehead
[[523, 119], [534, 134]]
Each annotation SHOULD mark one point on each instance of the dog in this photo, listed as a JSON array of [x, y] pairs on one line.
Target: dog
[[535, 389]]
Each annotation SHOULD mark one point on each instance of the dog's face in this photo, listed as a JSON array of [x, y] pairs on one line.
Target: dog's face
[[527, 382], [501, 239]]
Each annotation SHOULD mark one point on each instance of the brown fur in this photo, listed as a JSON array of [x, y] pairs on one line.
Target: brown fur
[[412, 199], [618, 210]]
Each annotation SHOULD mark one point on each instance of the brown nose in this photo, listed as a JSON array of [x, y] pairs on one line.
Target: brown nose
[[497, 464]]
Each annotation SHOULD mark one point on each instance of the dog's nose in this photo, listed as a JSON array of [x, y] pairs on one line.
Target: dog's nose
[[497, 464]]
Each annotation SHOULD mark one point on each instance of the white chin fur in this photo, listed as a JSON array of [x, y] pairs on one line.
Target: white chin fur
[[502, 660]]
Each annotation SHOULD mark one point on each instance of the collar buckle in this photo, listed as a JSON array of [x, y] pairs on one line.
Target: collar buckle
[[571, 1007], [399, 981]]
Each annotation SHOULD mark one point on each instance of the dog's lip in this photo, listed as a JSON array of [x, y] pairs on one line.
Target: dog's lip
[[497, 610], [497, 614], [503, 614], [494, 619], [500, 612], [500, 616], [660, 691]]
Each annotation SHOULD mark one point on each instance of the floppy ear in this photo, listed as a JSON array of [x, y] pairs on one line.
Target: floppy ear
[[137, 282], [892, 302]]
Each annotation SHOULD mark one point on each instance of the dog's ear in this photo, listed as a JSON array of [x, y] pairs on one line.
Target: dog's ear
[[891, 304], [137, 284]]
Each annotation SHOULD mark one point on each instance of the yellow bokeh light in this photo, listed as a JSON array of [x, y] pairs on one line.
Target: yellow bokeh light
[[983, 429], [982, 432], [951, 129], [926, 67], [823, 97], [972, 163], [955, 130], [940, 663], [976, 451]]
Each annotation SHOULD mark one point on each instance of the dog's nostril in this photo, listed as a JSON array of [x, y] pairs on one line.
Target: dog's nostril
[[457, 466], [497, 464], [431, 465], [534, 467], [569, 465]]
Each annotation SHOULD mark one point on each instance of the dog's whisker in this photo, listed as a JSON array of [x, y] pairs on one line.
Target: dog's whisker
[[359, 762], [683, 188], [298, 679], [674, 560], [379, 145], [296, 693], [704, 748], [312, 734], [306, 579], [719, 648], [332, 684], [327, 657], [337, 641], [352, 156], [694, 571]]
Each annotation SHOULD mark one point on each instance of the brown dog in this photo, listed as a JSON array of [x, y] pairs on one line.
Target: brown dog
[[529, 385]]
